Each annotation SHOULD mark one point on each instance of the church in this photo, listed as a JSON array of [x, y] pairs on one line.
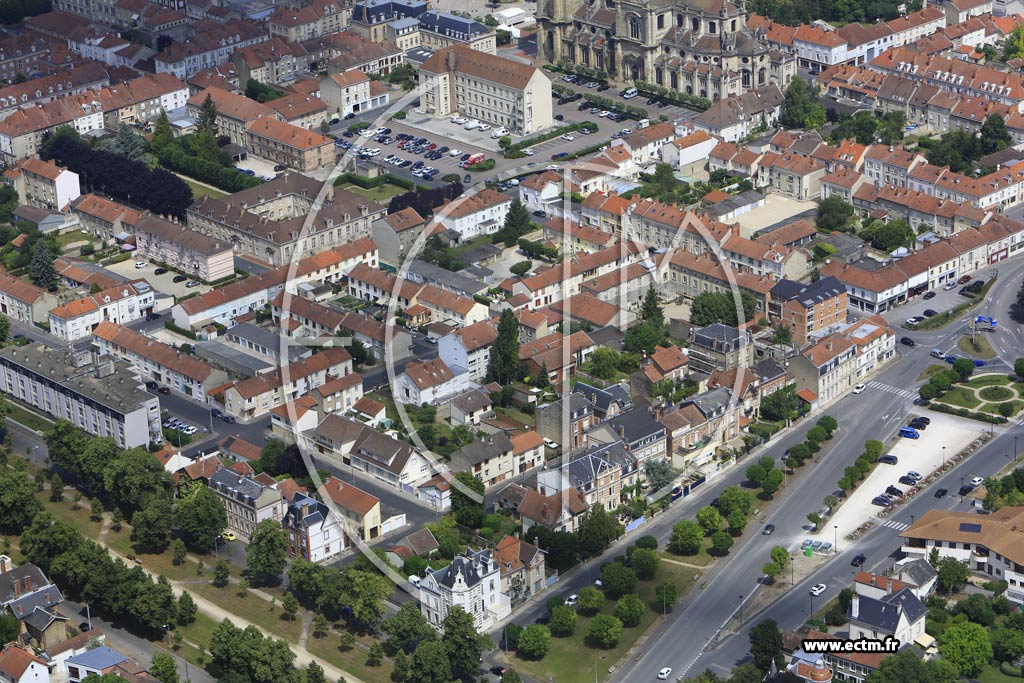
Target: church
[[697, 47]]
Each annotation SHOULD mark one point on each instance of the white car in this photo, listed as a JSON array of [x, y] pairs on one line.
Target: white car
[[818, 588], [498, 133], [550, 444], [484, 126], [455, 153], [665, 673], [568, 138], [367, 133], [528, 152], [572, 600], [859, 388], [472, 125], [513, 182], [977, 481], [139, 265], [949, 285]]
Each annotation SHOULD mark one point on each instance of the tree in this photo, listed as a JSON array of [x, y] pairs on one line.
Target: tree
[[890, 236], [408, 627], [321, 627], [375, 656], [966, 646], [18, 502], [163, 668], [135, 479], [563, 621], [659, 473], [201, 518], [534, 641], [686, 538], [5, 328], [347, 641], [468, 500], [517, 223], [964, 368], [187, 609], [834, 213], [736, 521], [766, 645], [1013, 47], [503, 365], [42, 271], [906, 667], [462, 642], [994, 136], [978, 609], [597, 530], [511, 677], [266, 552], [590, 600], [709, 519], [721, 542], [665, 595], [163, 134], [430, 664], [828, 423], [1007, 644], [617, 579], [10, 628], [645, 562], [733, 499], [800, 107], [221, 573], [643, 338], [952, 574], [722, 307], [605, 631], [152, 524], [782, 335], [780, 405], [206, 121], [604, 363], [521, 268], [772, 482], [630, 609], [650, 309], [179, 552]]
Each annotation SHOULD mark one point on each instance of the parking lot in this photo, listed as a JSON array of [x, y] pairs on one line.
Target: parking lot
[[922, 455], [163, 283]]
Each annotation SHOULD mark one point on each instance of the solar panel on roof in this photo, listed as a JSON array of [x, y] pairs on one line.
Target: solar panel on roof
[[970, 528]]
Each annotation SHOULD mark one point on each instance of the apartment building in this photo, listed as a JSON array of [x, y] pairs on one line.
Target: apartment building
[[159, 362], [44, 184], [469, 348], [234, 112], [439, 30], [989, 544], [23, 301], [825, 371], [102, 397], [351, 92], [210, 45], [123, 303], [500, 91], [104, 218], [599, 474], [258, 395], [318, 18], [175, 246], [281, 143], [270, 223], [808, 310]]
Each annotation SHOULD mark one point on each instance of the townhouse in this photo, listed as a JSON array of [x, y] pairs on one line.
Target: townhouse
[[472, 582], [637, 429], [270, 222], [338, 394], [123, 303], [101, 398], [571, 237], [23, 301], [205, 258], [103, 218], [808, 310], [689, 276], [159, 362], [313, 531], [793, 175], [247, 501], [557, 355], [500, 91], [89, 76], [258, 395], [352, 92], [598, 473], [210, 45], [297, 316], [497, 458], [270, 62], [44, 184], [522, 567], [579, 415], [313, 20]]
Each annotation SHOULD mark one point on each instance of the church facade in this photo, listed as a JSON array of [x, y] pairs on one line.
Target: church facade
[[697, 47]]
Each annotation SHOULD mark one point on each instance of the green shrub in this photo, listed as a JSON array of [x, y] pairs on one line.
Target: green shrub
[[485, 165], [1011, 670], [180, 330]]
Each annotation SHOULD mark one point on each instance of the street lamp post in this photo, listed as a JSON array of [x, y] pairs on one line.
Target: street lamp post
[[835, 544], [961, 489], [943, 456], [1014, 450], [741, 610], [792, 571]]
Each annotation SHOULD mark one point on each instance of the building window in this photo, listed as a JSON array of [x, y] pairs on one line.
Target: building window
[[634, 26]]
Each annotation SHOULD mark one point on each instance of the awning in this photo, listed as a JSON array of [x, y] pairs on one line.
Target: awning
[[128, 247], [925, 641], [122, 236]]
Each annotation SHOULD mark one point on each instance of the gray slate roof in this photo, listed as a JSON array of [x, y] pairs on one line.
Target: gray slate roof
[[467, 566], [602, 399]]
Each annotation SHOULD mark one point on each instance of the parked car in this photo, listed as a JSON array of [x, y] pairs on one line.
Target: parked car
[[769, 529], [859, 560], [907, 341], [948, 286], [916, 476], [915, 320], [152, 316], [180, 278], [977, 481], [572, 600], [889, 459], [230, 419], [818, 589], [164, 390], [908, 481], [930, 313], [966, 489], [139, 265], [893, 491], [859, 388], [192, 283], [150, 384], [881, 501], [159, 271], [941, 493], [929, 295], [964, 280]]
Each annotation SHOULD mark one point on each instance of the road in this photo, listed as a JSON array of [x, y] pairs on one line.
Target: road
[[680, 643]]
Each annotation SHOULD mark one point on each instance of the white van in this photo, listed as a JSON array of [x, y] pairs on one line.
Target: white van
[[629, 93], [472, 125]]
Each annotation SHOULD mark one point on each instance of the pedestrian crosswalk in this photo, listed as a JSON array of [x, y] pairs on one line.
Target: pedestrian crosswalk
[[893, 524], [899, 391]]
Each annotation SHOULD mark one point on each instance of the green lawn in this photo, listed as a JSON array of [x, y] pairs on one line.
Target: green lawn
[[251, 608], [571, 660], [382, 194], [992, 674], [993, 408], [929, 371], [988, 381], [979, 347], [29, 419], [997, 393], [353, 660], [957, 396], [77, 518], [202, 190]]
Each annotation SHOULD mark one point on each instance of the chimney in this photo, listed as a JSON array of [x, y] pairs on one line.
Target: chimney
[[28, 584], [855, 607], [622, 432], [17, 587]]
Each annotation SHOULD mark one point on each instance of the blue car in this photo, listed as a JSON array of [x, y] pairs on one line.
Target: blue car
[[979, 363], [950, 359]]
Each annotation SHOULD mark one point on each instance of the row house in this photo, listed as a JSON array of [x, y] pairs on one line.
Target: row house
[[637, 429], [498, 457], [690, 276], [645, 144], [203, 257], [604, 211], [88, 76], [482, 213], [571, 237], [337, 395], [447, 307], [624, 288], [258, 395], [552, 285], [159, 362], [23, 301], [763, 258], [384, 340], [316, 19], [210, 46], [598, 473], [121, 304], [666, 226], [368, 283], [298, 316], [247, 500], [558, 355], [891, 165]]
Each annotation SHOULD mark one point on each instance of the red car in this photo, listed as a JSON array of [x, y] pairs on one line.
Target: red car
[[164, 390]]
